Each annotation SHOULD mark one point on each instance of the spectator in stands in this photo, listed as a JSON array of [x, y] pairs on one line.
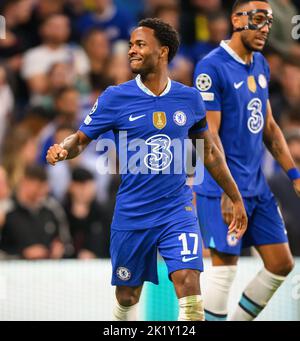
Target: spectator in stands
[[19, 151], [218, 30], [281, 34], [19, 38], [290, 82], [46, 8], [35, 227], [89, 222], [98, 49], [41, 11], [17, 14], [151, 6], [288, 200], [66, 111], [118, 70], [194, 22], [290, 118], [276, 64], [4, 195], [7, 103], [62, 76], [75, 9], [106, 16], [55, 32]]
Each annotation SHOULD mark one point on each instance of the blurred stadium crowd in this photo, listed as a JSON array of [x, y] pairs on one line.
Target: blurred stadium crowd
[[57, 57]]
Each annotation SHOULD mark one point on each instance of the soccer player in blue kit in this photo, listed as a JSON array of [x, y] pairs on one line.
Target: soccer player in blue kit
[[154, 210], [233, 81]]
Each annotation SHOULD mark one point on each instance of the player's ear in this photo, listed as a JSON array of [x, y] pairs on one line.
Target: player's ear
[[236, 21], [164, 52]]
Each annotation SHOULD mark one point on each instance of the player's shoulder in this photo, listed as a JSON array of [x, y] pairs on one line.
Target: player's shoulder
[[186, 93], [115, 92], [183, 89]]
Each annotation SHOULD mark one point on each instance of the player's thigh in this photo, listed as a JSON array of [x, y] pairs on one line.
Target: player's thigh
[[213, 229], [267, 233], [180, 245], [222, 259], [133, 257]]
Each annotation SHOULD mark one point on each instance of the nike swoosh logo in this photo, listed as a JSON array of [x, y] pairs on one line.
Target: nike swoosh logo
[[238, 85], [131, 118], [184, 259]]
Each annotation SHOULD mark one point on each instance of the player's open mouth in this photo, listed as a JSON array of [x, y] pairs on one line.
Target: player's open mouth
[[135, 60], [261, 39]]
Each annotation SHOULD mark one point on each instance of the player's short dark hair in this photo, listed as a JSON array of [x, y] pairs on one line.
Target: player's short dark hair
[[164, 33], [36, 172], [239, 3]]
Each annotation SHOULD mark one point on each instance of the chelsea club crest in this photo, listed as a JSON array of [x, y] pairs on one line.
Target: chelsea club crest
[[179, 118]]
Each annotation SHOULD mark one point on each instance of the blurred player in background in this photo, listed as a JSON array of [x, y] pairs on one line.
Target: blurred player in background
[[233, 80], [154, 211]]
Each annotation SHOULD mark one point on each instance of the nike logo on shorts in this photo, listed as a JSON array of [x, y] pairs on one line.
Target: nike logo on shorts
[[186, 259]]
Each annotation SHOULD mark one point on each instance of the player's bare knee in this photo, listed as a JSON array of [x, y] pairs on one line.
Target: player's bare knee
[[127, 296], [288, 267], [186, 282], [282, 268]]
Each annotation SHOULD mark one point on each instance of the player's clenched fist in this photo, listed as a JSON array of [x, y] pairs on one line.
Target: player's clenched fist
[[56, 153]]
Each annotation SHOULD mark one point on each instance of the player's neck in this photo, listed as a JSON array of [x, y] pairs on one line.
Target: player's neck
[[156, 82], [236, 45]]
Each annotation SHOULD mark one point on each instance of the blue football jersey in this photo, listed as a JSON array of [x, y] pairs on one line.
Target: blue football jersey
[[240, 92], [148, 130]]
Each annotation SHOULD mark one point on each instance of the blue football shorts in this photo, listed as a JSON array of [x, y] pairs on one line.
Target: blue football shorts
[[134, 252], [265, 224]]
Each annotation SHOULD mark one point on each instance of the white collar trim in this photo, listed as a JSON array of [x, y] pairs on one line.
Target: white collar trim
[[229, 50], [143, 87]]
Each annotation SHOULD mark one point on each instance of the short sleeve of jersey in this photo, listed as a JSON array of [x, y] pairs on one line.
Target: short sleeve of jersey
[[200, 123], [102, 117], [207, 81]]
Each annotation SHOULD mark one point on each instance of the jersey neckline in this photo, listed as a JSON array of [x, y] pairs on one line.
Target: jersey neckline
[[232, 53], [147, 91]]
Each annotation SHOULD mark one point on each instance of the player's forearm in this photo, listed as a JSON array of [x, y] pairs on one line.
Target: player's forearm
[[218, 142], [276, 144], [74, 144], [215, 163]]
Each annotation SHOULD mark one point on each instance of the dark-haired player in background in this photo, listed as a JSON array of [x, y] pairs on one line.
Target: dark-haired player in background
[[153, 208], [233, 81]]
